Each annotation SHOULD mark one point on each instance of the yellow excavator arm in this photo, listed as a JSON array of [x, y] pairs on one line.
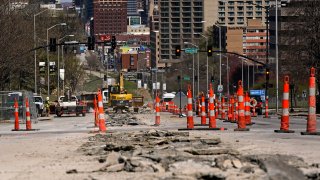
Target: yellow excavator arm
[[121, 84]]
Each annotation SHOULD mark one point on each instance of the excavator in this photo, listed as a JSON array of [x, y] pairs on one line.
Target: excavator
[[119, 99]]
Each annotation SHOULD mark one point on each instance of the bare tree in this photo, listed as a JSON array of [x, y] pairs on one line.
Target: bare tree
[[301, 39]]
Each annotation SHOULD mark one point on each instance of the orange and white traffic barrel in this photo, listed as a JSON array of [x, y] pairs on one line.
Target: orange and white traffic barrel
[[236, 108], [232, 109], [223, 112], [16, 116], [216, 107], [247, 109], [212, 118], [203, 111], [157, 120], [96, 111], [312, 118], [28, 118], [284, 128], [190, 123], [199, 107], [102, 124], [241, 116]]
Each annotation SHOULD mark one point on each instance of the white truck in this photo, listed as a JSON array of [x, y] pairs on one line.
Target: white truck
[[70, 105], [39, 105]]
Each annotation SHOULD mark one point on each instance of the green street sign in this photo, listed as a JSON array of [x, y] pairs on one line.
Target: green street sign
[[186, 78], [191, 50]]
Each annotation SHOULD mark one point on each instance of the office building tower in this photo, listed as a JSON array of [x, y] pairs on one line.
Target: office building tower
[[110, 16]]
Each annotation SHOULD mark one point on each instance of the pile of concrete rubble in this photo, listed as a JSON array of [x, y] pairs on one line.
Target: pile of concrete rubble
[[176, 155], [122, 119]]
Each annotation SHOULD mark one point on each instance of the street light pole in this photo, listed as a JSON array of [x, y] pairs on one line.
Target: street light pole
[[242, 70], [63, 68], [207, 87], [228, 68], [193, 66], [35, 51], [58, 78], [248, 76], [277, 60], [61, 24], [198, 77], [193, 76], [220, 53]]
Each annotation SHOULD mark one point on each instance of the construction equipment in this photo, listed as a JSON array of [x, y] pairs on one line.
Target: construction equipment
[[119, 99]]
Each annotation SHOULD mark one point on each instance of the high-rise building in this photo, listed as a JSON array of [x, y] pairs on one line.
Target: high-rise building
[[254, 40], [154, 15], [110, 16], [180, 21], [236, 13]]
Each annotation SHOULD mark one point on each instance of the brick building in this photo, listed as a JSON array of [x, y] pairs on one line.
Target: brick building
[[110, 16]]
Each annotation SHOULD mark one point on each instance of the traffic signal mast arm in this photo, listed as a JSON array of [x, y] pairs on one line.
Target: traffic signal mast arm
[[234, 53]]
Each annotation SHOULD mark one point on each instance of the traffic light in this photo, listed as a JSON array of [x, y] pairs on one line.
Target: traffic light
[[139, 75], [42, 68], [52, 45], [267, 74], [209, 50], [178, 51], [195, 78], [105, 78], [91, 42], [113, 42], [52, 68], [179, 78], [212, 79], [216, 36]]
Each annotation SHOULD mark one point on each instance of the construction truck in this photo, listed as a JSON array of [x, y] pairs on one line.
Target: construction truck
[[119, 99]]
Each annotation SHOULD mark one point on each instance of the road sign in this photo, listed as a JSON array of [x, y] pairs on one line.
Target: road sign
[[186, 78], [191, 50], [220, 88]]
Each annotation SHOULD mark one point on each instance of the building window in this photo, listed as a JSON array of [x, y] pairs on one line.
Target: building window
[[131, 60]]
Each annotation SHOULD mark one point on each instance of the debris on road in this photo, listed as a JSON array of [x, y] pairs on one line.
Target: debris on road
[[123, 119], [176, 155]]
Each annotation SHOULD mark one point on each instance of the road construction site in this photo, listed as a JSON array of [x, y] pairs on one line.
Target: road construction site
[[133, 148]]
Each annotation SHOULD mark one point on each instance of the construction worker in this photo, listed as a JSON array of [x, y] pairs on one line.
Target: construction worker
[[47, 106]]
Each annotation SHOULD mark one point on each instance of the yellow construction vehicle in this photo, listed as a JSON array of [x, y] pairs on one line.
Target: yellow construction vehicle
[[119, 99]]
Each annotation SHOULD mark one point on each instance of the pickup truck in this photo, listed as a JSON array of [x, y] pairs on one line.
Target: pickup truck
[[70, 106]]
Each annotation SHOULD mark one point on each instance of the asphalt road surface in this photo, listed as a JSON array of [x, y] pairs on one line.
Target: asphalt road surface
[[50, 151]]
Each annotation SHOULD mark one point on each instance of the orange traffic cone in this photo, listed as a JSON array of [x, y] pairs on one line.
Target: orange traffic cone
[[284, 128], [241, 118], [312, 118]]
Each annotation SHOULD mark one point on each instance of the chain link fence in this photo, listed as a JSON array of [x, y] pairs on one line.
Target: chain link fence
[[7, 99]]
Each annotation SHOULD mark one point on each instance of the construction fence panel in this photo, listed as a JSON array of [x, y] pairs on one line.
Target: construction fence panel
[[7, 99]]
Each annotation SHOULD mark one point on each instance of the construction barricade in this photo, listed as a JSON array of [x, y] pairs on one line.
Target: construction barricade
[[14, 107]]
